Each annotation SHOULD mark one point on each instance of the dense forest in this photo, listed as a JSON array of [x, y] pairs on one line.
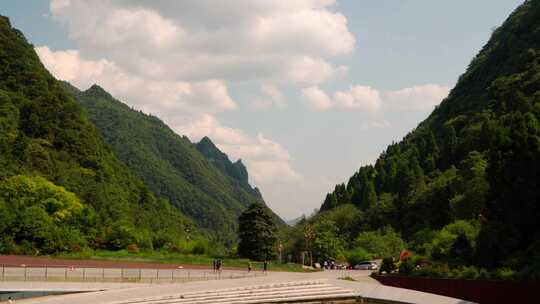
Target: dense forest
[[61, 187], [462, 188], [198, 179]]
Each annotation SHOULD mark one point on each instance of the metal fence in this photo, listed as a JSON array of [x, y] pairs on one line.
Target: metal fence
[[131, 275]]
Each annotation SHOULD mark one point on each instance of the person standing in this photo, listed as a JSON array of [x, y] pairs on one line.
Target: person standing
[[265, 266], [249, 267]]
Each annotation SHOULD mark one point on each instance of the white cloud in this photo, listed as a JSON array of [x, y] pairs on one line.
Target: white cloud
[[416, 98], [357, 97], [194, 40], [420, 98], [271, 97], [152, 96], [267, 160], [317, 98]]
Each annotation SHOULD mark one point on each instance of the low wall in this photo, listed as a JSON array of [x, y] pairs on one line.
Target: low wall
[[479, 291]]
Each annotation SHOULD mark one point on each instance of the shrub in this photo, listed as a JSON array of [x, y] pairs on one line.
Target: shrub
[[505, 274], [200, 247], [133, 248], [385, 242], [357, 255], [469, 272], [405, 267]]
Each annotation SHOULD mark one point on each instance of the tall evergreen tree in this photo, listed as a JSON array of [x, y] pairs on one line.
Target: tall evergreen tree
[[257, 233]]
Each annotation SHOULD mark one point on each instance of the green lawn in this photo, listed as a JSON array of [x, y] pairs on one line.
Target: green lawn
[[177, 258]]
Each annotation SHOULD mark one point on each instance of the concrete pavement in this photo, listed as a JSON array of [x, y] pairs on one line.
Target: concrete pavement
[[364, 286]]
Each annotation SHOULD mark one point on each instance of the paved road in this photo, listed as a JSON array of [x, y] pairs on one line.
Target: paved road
[[364, 286]]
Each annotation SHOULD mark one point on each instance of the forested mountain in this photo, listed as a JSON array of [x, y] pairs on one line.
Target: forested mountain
[[237, 171], [61, 187], [211, 190], [476, 158]]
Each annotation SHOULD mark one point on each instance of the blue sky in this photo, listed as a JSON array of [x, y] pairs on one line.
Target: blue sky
[[303, 91]]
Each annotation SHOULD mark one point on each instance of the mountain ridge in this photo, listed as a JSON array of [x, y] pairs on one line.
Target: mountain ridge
[[170, 164]]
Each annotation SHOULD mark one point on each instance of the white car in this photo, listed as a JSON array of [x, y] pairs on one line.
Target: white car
[[366, 266]]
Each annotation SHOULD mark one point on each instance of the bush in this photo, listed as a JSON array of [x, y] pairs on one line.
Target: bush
[[406, 267], [357, 255], [505, 274], [133, 248], [200, 247], [384, 242]]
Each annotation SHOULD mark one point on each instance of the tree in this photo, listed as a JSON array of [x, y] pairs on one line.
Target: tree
[[257, 233], [327, 245]]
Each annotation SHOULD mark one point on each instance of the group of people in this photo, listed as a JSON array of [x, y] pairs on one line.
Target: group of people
[[265, 266], [329, 265], [217, 265]]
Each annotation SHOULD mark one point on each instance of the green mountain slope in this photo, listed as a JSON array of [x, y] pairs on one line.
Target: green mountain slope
[[237, 171], [212, 192], [62, 188], [475, 158]]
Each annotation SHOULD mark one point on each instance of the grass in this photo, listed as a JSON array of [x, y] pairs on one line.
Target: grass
[[165, 257], [347, 278]]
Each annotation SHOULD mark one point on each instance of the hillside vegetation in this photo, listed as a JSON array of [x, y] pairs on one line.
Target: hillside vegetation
[[198, 179], [61, 187], [462, 188]]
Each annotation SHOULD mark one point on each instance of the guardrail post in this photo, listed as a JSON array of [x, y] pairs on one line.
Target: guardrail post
[[157, 275], [103, 274], [65, 274], [172, 275], [25, 273]]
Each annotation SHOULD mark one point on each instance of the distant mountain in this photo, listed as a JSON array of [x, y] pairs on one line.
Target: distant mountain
[[295, 221], [237, 171], [205, 186], [61, 187], [475, 158]]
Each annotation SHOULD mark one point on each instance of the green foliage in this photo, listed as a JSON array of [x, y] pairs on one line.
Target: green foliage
[[357, 255], [406, 267], [455, 242], [382, 243], [257, 233], [199, 180], [326, 245], [475, 158], [38, 216], [63, 188]]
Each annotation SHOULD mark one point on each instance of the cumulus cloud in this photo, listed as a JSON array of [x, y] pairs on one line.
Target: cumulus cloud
[[271, 96], [317, 98], [267, 160], [193, 40], [356, 97], [365, 98], [151, 96], [420, 98]]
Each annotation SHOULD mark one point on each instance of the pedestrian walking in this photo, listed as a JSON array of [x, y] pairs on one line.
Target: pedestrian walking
[[10, 300], [214, 263], [249, 266], [265, 265]]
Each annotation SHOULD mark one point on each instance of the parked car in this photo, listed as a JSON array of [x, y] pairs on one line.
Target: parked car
[[366, 266]]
